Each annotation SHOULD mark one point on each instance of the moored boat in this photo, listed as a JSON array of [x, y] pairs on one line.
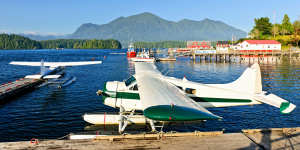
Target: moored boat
[[143, 57], [131, 52]]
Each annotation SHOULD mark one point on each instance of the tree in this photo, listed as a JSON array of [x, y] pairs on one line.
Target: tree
[[276, 29], [286, 26], [263, 26], [296, 26]]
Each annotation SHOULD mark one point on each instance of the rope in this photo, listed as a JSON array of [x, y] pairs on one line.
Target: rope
[[63, 137], [259, 145]]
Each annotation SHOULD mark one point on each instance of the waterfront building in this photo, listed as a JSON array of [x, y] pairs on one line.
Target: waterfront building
[[199, 45], [222, 46], [258, 46]]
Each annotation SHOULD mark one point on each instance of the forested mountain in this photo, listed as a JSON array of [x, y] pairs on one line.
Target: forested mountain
[[148, 27], [19, 42]]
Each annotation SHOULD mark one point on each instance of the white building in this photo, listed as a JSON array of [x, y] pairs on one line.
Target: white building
[[258, 45]]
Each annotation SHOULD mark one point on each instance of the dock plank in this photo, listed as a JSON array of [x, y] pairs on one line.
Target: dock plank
[[18, 87]]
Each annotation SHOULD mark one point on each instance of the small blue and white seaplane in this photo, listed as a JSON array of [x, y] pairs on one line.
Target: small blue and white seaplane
[[53, 70], [167, 99]]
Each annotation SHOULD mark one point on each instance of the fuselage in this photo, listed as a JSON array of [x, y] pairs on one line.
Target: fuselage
[[52, 71], [208, 95]]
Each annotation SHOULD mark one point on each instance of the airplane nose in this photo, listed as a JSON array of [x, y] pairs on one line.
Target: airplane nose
[[99, 92], [103, 93]]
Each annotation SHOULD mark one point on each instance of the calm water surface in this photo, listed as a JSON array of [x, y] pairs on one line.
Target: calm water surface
[[49, 112]]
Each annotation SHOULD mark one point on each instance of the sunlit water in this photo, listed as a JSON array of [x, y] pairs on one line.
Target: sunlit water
[[49, 112]]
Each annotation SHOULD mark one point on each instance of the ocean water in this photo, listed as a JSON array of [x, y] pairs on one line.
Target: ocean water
[[49, 112]]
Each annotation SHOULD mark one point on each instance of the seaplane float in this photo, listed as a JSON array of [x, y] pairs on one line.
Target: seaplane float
[[53, 72], [149, 97]]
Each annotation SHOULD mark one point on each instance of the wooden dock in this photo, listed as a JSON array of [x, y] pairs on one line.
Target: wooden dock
[[278, 138], [236, 56], [166, 59], [16, 88]]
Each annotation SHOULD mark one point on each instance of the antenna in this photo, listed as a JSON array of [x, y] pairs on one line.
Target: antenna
[[274, 26]]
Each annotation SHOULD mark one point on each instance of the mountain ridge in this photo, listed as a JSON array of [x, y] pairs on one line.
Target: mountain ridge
[[149, 27]]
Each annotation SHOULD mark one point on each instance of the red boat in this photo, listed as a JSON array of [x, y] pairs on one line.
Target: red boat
[[131, 52]]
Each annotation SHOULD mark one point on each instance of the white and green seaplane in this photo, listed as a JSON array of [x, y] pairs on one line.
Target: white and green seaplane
[[151, 97]]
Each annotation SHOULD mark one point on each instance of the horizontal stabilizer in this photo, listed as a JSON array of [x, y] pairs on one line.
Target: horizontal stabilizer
[[33, 76], [37, 76], [55, 64], [273, 100], [55, 76]]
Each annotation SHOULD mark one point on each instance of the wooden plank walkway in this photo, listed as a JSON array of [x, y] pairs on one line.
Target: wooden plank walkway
[[13, 89], [282, 138]]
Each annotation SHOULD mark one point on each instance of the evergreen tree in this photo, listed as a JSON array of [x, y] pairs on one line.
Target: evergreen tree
[[286, 26], [263, 26]]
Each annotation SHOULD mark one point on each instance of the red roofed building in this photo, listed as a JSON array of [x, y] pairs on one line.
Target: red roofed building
[[258, 45], [199, 44]]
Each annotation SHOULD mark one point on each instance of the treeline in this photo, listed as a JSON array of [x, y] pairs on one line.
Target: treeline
[[161, 44], [81, 44], [286, 32], [19, 42]]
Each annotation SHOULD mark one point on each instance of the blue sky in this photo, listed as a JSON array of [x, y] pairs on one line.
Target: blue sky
[[65, 16]]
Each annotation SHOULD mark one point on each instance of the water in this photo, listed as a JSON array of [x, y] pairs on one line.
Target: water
[[49, 112]]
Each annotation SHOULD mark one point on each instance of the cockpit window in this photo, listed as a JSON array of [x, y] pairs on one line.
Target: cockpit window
[[134, 88], [129, 80]]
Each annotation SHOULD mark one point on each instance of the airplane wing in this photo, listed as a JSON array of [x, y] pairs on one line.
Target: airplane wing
[[55, 64], [164, 101]]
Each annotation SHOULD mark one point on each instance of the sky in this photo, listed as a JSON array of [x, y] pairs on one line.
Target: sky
[[58, 17]]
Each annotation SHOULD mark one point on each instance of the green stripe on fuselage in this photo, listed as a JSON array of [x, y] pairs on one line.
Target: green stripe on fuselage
[[136, 96], [127, 95]]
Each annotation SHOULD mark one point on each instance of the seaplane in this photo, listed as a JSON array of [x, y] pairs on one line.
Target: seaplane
[[53, 70], [149, 97]]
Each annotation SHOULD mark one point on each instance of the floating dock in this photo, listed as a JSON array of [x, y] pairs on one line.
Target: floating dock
[[276, 138], [166, 59], [18, 87]]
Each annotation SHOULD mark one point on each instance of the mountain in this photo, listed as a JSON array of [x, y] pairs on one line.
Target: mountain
[[149, 27], [39, 37]]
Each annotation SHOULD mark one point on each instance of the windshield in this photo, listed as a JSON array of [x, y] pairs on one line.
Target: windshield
[[130, 80]]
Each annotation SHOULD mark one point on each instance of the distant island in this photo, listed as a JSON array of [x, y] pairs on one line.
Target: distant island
[[19, 42]]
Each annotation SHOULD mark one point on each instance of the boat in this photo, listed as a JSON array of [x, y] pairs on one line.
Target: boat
[[131, 52], [143, 56]]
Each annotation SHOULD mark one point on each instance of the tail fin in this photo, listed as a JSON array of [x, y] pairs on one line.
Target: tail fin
[[249, 81], [43, 69]]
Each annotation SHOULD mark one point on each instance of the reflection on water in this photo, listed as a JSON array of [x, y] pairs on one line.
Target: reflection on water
[[49, 112]]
